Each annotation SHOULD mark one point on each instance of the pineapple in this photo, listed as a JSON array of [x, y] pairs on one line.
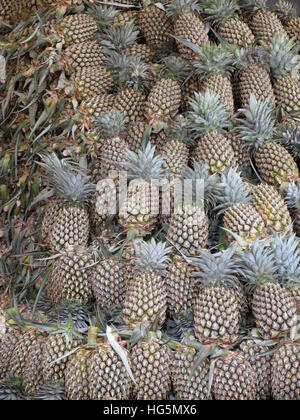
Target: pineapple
[[217, 313], [139, 208], [82, 54], [180, 284], [287, 257], [110, 127], [146, 298], [175, 149], [263, 22], [8, 345], [92, 81], [188, 89], [132, 77], [70, 277], [137, 134], [209, 119], [281, 60], [254, 350], [234, 378], [223, 15], [71, 224], [189, 226], [285, 374], [33, 372], [239, 216], [96, 372], [213, 65], [92, 107], [151, 368], [77, 28], [155, 25], [252, 77], [187, 25], [164, 99], [273, 306], [108, 281], [256, 128], [56, 351], [288, 14], [270, 205], [292, 200], [190, 384]]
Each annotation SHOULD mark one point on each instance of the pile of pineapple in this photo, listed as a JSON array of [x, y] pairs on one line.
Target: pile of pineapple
[[122, 299]]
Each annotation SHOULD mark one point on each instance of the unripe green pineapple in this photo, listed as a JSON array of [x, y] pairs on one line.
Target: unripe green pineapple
[[234, 202], [281, 60], [273, 306], [209, 119], [256, 128], [187, 25], [224, 17], [213, 64], [151, 368], [217, 312], [190, 379], [146, 297], [70, 185], [234, 378], [285, 376]]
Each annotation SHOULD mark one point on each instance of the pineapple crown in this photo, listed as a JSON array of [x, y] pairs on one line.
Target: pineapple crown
[[152, 257], [110, 124], [231, 191], [51, 392], [287, 256], [292, 197], [201, 172], [145, 164], [253, 6], [119, 37], [245, 57], [219, 11], [208, 113], [289, 138], [285, 10], [175, 68], [180, 129], [282, 56], [104, 15], [214, 59], [130, 71], [176, 8], [257, 125], [257, 265], [67, 181], [215, 269]]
